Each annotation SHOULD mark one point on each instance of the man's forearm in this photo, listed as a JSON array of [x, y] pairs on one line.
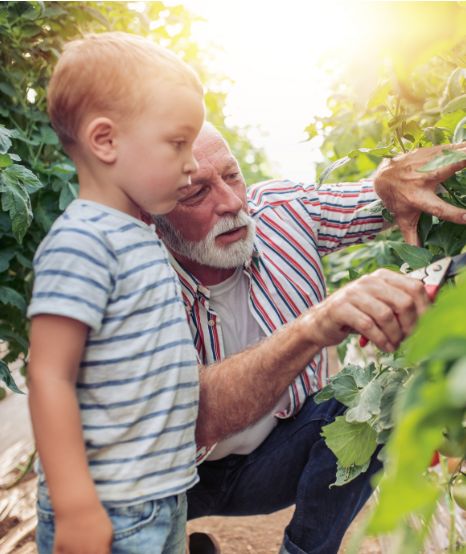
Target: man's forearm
[[238, 391]]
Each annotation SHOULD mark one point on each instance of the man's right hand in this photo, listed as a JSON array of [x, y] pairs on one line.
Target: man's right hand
[[383, 306], [87, 532]]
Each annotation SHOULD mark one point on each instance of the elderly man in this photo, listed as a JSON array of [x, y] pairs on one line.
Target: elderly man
[[249, 263]]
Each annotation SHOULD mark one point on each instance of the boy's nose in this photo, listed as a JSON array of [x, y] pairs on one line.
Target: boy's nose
[[191, 166]]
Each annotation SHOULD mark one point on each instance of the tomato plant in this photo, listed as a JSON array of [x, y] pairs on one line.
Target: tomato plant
[[413, 402], [458, 490]]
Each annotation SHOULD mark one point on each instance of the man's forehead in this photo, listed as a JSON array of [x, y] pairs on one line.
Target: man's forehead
[[214, 164]]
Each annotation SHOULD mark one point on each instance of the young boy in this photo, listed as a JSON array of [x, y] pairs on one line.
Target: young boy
[[113, 375]]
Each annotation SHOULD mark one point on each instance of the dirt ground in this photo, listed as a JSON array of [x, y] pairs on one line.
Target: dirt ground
[[236, 535], [262, 534]]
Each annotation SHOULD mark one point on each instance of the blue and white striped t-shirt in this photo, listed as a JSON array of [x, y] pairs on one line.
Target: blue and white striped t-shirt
[[138, 380]]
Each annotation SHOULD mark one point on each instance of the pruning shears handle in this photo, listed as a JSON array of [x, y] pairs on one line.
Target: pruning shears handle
[[433, 277]]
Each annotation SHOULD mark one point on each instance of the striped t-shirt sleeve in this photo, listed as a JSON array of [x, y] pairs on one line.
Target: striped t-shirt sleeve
[[73, 275], [334, 214]]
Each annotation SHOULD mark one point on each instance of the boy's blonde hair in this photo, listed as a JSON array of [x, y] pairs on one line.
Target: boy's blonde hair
[[108, 74]]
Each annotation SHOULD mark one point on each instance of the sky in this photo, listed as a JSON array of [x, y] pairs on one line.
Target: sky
[[284, 55], [271, 50]]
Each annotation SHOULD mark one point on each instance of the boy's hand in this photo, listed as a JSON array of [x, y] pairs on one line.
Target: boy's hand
[[86, 532]]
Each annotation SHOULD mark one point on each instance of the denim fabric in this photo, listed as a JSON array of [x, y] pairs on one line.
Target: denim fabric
[[292, 466], [152, 527]]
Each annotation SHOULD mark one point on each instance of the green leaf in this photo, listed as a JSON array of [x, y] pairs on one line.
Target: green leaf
[[456, 384], [6, 254], [12, 297], [5, 142], [5, 160], [448, 157], [361, 374], [7, 378], [414, 256], [345, 389], [450, 349], [34, 11], [460, 132], [458, 103], [11, 336], [352, 443], [380, 152], [455, 83], [15, 201], [443, 321], [62, 169], [368, 404], [335, 165], [449, 122], [7, 89], [68, 193], [48, 136], [19, 175], [347, 474], [323, 395], [424, 226], [404, 488], [389, 395], [25, 262], [412, 131], [449, 237]]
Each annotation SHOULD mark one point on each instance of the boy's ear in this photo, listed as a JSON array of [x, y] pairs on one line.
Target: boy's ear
[[100, 135]]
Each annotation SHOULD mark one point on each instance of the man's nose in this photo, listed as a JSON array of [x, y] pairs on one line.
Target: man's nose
[[227, 200]]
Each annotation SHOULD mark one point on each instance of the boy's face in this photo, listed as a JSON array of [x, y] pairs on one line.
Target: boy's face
[[155, 158]]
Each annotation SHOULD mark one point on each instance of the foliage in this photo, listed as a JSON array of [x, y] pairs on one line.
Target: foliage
[[412, 400], [37, 180]]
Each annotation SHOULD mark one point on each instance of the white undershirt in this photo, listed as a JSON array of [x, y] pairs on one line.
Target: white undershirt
[[229, 300]]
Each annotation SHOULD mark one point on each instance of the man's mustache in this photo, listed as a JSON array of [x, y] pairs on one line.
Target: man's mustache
[[228, 223]]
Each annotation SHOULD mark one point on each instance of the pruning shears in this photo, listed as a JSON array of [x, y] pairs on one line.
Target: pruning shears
[[433, 276]]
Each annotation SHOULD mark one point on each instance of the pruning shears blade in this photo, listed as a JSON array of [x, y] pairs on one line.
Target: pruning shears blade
[[433, 276], [457, 264]]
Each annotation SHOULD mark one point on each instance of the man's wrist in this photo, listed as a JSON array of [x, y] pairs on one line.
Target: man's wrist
[[309, 331]]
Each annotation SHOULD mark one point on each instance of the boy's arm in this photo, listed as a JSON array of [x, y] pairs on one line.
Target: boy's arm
[[82, 525]]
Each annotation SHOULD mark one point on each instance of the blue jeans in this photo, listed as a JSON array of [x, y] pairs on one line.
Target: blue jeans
[[152, 527], [292, 466]]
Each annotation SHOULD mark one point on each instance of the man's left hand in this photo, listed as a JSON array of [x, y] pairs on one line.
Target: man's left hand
[[406, 192]]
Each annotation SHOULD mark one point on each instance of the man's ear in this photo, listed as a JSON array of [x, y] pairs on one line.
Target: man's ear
[[100, 136]]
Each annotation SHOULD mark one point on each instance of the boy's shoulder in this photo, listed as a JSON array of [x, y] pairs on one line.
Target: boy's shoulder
[[100, 231], [88, 227], [90, 215]]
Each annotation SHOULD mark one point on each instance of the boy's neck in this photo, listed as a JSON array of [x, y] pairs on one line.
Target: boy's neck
[[99, 187]]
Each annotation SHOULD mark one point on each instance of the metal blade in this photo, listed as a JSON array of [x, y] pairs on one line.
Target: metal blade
[[457, 264]]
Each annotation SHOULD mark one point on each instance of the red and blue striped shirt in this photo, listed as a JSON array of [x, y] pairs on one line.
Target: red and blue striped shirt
[[296, 224]]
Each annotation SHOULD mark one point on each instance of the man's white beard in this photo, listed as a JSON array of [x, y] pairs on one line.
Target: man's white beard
[[206, 251]]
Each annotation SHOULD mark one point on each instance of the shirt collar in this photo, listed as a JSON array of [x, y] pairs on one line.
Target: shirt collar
[[191, 286]]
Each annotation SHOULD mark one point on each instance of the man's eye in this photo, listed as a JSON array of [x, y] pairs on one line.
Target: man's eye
[[232, 176], [192, 197]]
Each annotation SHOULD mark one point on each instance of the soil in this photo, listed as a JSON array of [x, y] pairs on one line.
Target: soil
[[262, 534], [236, 535]]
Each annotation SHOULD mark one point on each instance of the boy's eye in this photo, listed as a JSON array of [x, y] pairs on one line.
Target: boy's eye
[[179, 143]]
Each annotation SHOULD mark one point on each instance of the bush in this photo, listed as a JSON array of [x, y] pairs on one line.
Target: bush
[[37, 180]]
